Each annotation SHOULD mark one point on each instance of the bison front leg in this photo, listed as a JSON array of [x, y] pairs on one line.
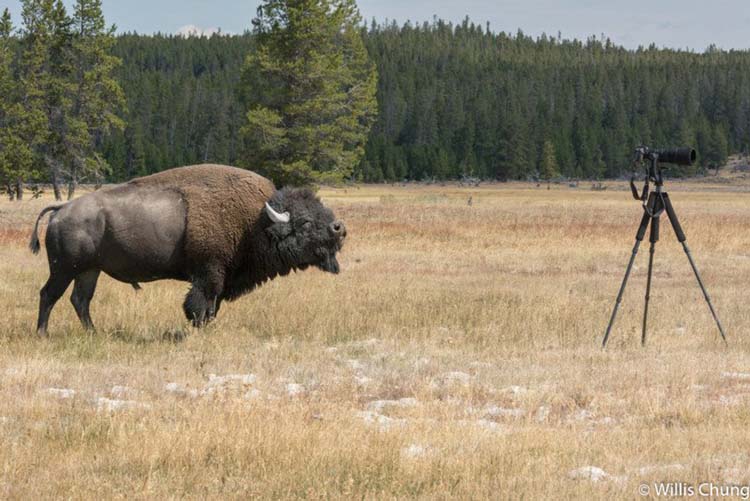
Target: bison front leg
[[203, 301], [195, 306]]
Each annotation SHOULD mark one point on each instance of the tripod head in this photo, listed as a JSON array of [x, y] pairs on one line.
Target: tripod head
[[643, 154]]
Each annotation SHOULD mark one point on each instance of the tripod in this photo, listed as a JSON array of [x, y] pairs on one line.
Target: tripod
[[658, 202]]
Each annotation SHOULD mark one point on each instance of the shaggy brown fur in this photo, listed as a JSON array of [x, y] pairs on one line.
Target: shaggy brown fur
[[222, 203]]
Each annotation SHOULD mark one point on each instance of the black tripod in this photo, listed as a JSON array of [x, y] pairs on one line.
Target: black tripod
[[657, 202]]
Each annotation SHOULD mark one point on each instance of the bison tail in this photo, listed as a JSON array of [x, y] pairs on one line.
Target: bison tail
[[34, 242]]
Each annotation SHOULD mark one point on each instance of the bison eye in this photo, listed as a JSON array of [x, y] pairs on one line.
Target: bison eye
[[307, 225]]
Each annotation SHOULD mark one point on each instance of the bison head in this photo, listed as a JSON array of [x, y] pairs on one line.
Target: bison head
[[304, 231]]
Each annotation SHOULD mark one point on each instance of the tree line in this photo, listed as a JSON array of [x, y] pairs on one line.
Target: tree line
[[460, 100], [453, 100], [58, 97]]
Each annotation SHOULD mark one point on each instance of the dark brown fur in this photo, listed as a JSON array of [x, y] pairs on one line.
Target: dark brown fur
[[222, 203]]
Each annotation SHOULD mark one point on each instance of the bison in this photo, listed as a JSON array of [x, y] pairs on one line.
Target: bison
[[223, 229]]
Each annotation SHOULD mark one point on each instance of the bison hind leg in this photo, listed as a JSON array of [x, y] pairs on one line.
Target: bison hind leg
[[83, 291], [48, 296]]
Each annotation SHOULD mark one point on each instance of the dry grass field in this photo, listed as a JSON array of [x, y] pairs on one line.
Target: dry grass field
[[457, 355]]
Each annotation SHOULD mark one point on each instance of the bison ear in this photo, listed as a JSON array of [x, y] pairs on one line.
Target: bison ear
[[275, 216]]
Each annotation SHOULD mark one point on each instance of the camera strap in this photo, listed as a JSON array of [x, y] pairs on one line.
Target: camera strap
[[644, 194], [633, 189]]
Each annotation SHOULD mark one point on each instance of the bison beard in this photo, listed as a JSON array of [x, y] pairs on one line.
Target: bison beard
[[224, 230]]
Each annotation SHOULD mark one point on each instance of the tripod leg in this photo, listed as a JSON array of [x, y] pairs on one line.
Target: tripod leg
[[682, 238], [653, 239], [638, 239]]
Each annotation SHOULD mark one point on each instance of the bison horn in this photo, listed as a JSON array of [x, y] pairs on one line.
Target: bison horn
[[275, 216]]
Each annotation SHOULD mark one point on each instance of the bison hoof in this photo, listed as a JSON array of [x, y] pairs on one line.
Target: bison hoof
[[202, 321]]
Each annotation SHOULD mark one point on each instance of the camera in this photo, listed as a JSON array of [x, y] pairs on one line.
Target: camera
[[678, 156]]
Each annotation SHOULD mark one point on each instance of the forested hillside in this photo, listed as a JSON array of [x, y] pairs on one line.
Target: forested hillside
[[183, 105], [453, 100]]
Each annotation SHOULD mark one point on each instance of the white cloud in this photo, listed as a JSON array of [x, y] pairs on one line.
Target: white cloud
[[191, 30]]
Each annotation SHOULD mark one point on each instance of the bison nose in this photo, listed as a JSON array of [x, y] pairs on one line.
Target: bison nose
[[338, 229]]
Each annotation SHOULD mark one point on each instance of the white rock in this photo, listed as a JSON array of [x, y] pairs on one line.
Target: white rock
[[246, 379], [119, 391], [495, 411], [407, 402], [415, 451], [294, 389], [379, 405], [362, 380], [61, 393], [660, 468], [421, 362], [730, 400], [369, 416], [365, 343], [253, 394], [486, 424], [593, 473], [112, 405], [516, 390], [734, 476], [736, 375], [457, 377], [218, 384], [542, 413], [384, 422], [178, 389], [490, 425], [481, 365], [679, 331], [582, 415], [174, 388], [355, 365]]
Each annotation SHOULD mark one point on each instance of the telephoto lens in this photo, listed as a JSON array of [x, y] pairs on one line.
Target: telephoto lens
[[679, 156]]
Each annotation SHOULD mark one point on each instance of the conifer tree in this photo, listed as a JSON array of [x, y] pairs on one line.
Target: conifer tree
[[549, 169], [62, 125], [16, 157], [97, 96], [31, 127], [309, 88]]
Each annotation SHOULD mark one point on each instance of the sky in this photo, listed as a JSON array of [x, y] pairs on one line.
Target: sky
[[681, 24]]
